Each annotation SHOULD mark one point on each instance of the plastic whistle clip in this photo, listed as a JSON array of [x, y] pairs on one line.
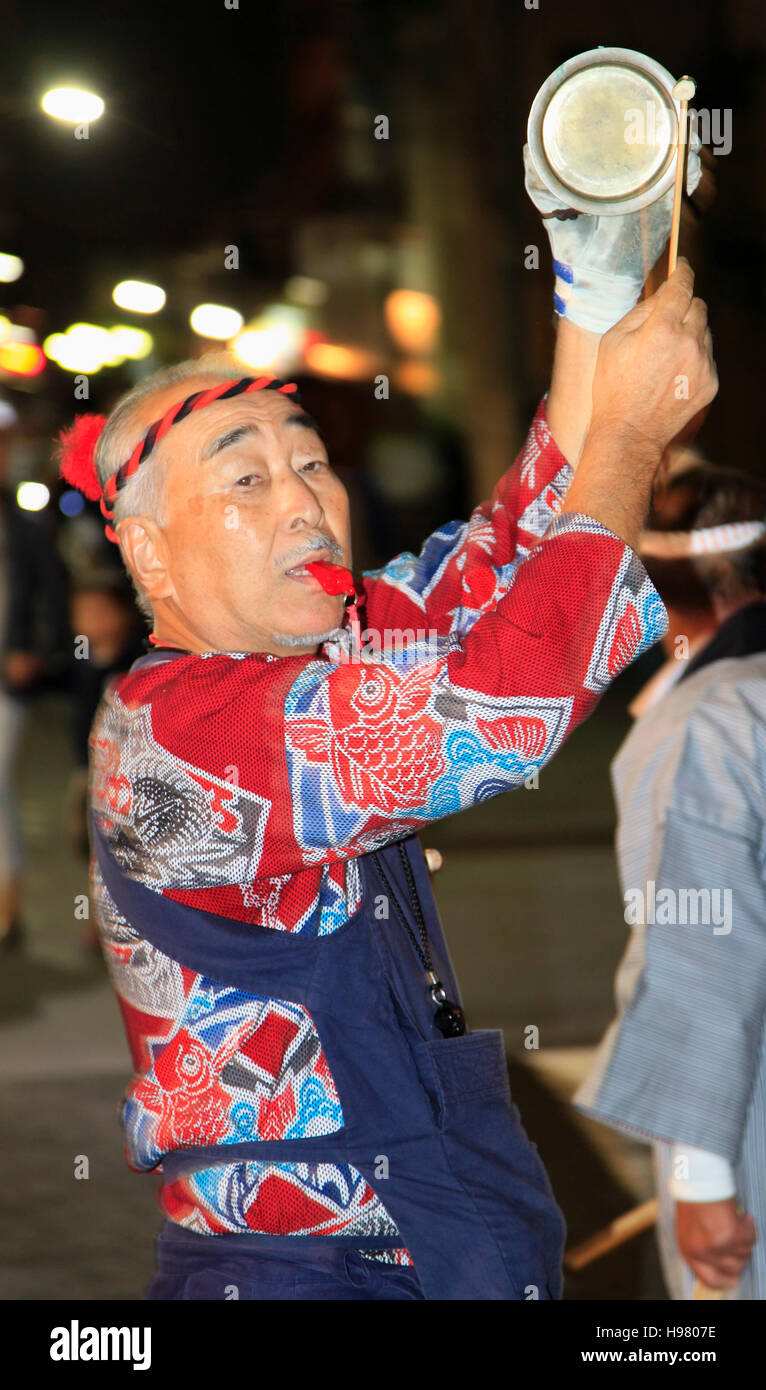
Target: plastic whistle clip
[[354, 624]]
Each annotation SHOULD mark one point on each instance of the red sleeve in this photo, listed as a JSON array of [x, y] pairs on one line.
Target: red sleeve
[[304, 760]]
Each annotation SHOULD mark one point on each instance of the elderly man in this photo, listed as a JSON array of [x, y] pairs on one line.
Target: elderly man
[[324, 1124]]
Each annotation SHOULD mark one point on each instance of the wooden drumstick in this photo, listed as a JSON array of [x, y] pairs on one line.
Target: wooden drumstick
[[619, 1230], [683, 91]]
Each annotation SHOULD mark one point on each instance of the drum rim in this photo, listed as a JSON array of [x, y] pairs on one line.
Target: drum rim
[[604, 57]]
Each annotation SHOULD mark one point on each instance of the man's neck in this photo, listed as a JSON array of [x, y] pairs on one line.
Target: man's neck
[[169, 630], [696, 625]]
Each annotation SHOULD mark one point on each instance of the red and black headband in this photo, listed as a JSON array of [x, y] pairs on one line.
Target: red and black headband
[[76, 445]]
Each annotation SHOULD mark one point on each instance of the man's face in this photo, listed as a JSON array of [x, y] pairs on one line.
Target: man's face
[[250, 495]]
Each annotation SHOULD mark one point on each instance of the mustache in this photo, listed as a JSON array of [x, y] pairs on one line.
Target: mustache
[[308, 548]]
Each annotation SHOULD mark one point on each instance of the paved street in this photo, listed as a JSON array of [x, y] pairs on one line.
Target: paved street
[[529, 899]]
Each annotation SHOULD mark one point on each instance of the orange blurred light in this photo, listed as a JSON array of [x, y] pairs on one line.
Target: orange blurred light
[[331, 359], [413, 319], [417, 378], [22, 359]]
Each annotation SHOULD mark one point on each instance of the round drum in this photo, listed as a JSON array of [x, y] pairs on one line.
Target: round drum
[[602, 131]]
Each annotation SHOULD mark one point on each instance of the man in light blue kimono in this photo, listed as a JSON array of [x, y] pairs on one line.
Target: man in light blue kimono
[[684, 1063]]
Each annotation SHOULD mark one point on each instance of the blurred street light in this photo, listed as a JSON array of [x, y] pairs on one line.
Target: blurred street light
[[131, 342], [138, 296], [71, 503], [347, 363], [258, 347], [20, 358], [11, 267], [83, 348], [32, 497], [72, 104], [413, 319], [272, 340], [16, 332], [416, 377], [215, 321]]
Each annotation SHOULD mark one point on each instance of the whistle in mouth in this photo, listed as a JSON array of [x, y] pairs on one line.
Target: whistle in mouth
[[335, 579]]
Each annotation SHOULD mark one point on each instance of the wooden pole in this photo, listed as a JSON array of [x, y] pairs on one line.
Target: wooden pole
[[619, 1230], [683, 91]]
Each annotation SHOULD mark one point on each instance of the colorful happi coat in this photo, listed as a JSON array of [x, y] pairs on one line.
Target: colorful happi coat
[[248, 785]]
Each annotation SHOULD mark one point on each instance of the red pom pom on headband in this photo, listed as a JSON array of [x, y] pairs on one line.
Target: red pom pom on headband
[[75, 449], [76, 445]]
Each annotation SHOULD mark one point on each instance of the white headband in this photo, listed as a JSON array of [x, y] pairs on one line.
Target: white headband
[[711, 540]]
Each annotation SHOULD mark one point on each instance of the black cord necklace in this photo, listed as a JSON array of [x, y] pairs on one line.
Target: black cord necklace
[[449, 1018]]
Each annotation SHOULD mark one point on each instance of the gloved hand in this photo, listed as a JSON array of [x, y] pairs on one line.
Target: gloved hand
[[600, 262]]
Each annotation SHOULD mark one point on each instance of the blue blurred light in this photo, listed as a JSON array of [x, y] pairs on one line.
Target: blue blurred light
[[71, 502]]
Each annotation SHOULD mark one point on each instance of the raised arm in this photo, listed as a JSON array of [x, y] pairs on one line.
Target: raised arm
[[636, 410], [570, 399], [465, 567]]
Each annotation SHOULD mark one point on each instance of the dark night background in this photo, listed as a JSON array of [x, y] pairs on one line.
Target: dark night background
[[253, 127]]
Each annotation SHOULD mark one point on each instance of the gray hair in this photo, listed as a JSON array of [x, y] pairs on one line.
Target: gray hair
[[144, 494]]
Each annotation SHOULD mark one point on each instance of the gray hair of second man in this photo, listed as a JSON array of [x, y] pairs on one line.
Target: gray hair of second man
[[144, 493]]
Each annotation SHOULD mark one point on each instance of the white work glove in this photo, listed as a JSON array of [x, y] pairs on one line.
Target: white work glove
[[601, 263]]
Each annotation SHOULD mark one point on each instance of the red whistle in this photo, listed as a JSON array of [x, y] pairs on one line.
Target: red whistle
[[333, 578]]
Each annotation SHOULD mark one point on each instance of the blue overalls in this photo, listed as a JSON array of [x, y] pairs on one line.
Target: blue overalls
[[464, 1185]]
